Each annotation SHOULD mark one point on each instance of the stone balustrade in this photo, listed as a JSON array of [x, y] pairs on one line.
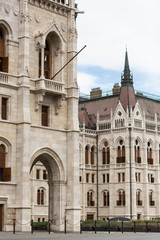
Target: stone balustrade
[[50, 86], [3, 77]]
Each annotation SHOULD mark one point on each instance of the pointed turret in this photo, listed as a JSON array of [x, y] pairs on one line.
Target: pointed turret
[[127, 94], [126, 78]]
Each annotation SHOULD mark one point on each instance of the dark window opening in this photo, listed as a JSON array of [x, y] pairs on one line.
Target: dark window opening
[[4, 108], [45, 110], [37, 174]]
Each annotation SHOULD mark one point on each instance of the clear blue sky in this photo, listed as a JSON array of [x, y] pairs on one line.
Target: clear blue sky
[[106, 28]]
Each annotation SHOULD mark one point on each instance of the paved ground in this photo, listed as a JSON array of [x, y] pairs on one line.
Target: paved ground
[[77, 236]]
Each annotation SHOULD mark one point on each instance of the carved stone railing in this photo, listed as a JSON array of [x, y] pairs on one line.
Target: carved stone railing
[[49, 86], [3, 77]]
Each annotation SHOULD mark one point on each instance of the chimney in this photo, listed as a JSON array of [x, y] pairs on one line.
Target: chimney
[[95, 93], [116, 89]]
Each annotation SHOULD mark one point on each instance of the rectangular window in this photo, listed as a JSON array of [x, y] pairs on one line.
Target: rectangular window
[[139, 177], [123, 177], [107, 177], [87, 177], [4, 108], [6, 174], [45, 111], [37, 174], [92, 178], [103, 178], [80, 178], [45, 176], [119, 177]]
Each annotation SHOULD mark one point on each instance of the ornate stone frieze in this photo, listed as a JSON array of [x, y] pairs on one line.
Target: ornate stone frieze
[[57, 7]]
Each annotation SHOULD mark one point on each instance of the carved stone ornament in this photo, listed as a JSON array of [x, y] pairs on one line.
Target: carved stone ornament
[[37, 18], [7, 8], [63, 27], [15, 10], [25, 14], [58, 105], [49, 27], [73, 33]]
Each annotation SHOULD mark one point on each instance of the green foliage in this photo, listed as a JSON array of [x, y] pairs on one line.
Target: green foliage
[[39, 224]]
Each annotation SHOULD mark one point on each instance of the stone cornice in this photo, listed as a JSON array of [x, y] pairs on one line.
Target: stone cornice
[[58, 8]]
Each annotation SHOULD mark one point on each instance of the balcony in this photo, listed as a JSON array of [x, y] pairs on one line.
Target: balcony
[[120, 159], [49, 86]]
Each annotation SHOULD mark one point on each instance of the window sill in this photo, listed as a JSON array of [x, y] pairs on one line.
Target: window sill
[[8, 183]]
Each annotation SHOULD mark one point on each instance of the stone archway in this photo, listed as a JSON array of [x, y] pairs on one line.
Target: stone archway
[[57, 185]]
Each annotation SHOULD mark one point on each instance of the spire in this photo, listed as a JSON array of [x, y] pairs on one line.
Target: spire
[[126, 78], [127, 94]]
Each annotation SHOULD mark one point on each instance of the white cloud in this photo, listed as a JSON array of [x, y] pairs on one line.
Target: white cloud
[[108, 25], [86, 82]]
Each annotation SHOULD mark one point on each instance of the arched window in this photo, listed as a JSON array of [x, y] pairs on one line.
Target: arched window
[[40, 196], [90, 201], [151, 202], [87, 155], [121, 155], [106, 199], [92, 155], [50, 57], [5, 173], [106, 154], [137, 152], [138, 198], [3, 57], [103, 156], [121, 198], [149, 154]]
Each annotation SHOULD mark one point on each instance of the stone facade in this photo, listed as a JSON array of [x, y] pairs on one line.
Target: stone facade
[[119, 154], [39, 116], [110, 168]]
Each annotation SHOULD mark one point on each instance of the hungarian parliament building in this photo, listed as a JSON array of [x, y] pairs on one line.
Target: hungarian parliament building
[[65, 156]]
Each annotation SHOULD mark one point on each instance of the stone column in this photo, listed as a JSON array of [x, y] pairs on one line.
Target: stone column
[[23, 199], [42, 61], [57, 202]]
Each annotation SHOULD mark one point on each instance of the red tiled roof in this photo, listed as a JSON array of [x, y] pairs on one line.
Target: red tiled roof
[[102, 105], [127, 97]]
